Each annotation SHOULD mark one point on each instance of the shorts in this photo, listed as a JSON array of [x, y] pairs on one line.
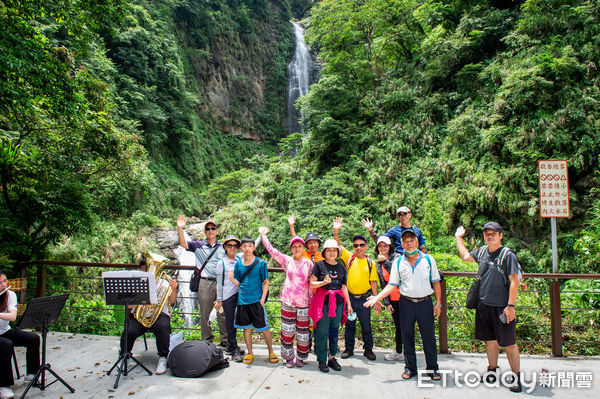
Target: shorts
[[253, 315], [488, 326]]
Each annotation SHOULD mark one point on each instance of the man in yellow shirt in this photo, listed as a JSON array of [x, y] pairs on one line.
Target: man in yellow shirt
[[361, 283]]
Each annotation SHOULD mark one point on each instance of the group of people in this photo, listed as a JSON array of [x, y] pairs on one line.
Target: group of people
[[328, 288], [335, 286]]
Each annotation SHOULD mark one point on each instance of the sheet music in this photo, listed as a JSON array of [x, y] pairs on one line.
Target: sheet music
[[136, 273]]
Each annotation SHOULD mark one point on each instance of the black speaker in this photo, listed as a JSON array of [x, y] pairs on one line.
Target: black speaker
[[195, 358]]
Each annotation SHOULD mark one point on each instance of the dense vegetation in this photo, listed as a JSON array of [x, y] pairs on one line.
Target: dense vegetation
[[115, 116], [445, 107], [108, 108]]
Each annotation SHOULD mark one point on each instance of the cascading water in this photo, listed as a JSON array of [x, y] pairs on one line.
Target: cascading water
[[186, 300], [299, 79]]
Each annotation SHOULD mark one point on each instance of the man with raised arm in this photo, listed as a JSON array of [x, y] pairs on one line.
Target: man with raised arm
[[495, 318], [403, 214], [209, 254]]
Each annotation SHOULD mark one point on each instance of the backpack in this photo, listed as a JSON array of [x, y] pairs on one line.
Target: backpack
[[369, 262], [430, 267], [439, 272], [195, 358], [499, 261]]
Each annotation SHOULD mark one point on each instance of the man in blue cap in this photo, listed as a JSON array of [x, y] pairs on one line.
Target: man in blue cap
[[495, 318]]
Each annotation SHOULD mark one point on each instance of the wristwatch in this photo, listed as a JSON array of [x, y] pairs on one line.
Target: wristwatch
[[438, 304]]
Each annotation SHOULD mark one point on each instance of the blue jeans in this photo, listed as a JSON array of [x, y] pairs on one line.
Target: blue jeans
[[364, 317]]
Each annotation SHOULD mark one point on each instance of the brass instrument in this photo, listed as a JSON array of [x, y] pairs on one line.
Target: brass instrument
[[147, 314]]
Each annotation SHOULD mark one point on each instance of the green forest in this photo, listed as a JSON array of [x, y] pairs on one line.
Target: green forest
[[115, 116], [118, 115]]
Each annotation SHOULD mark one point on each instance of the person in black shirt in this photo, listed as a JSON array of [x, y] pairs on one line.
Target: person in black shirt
[[327, 306], [495, 314]]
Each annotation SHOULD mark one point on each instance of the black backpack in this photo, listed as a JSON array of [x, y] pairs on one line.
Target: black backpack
[[195, 358]]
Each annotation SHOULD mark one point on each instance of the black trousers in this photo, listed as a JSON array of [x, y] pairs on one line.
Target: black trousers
[[229, 305], [161, 330], [422, 314], [8, 341], [396, 318]]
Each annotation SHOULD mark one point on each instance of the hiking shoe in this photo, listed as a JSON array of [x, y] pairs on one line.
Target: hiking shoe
[[490, 376], [323, 367], [516, 386], [161, 367], [368, 353], [237, 355], [347, 353], [6, 393], [393, 356], [334, 364]]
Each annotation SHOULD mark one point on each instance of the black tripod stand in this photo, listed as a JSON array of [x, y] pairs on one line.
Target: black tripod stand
[[41, 312], [126, 291]]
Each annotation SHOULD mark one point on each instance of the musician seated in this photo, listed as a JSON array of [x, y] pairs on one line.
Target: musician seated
[[161, 327], [10, 338]]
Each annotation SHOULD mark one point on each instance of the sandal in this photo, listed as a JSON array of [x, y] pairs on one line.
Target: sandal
[[435, 376], [248, 359], [273, 357], [407, 375]]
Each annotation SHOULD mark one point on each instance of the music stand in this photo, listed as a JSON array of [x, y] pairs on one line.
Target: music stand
[[126, 291], [41, 312]]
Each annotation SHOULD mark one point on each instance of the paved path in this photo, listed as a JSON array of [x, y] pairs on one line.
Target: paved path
[[82, 360]]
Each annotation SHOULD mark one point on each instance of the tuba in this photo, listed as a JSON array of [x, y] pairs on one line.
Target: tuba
[[147, 314]]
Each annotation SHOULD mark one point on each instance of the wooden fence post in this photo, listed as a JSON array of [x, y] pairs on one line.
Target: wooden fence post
[[556, 318], [443, 320]]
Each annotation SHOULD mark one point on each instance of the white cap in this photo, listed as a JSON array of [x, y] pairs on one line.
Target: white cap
[[385, 239], [403, 209], [331, 243]]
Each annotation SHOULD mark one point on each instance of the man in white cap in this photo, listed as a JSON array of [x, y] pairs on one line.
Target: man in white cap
[[395, 233]]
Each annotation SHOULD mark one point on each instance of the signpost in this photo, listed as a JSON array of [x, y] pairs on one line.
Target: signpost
[[554, 203], [554, 197]]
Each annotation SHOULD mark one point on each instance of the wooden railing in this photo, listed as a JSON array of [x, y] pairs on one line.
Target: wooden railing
[[553, 279]]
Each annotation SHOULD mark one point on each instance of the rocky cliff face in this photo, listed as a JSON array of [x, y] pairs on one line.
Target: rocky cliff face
[[238, 58]]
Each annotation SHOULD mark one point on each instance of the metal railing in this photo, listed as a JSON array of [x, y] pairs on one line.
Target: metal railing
[[539, 309]]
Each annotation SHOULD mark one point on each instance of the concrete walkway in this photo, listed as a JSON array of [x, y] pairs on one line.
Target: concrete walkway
[[83, 360]]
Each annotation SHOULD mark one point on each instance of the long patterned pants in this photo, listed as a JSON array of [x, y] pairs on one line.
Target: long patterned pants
[[294, 322]]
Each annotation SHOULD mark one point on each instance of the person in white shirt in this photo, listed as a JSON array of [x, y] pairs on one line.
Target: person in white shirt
[[417, 277], [10, 338]]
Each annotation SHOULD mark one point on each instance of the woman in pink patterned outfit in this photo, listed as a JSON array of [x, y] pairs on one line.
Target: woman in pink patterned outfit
[[295, 299]]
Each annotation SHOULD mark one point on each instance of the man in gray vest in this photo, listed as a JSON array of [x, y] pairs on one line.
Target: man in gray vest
[[207, 288], [495, 318]]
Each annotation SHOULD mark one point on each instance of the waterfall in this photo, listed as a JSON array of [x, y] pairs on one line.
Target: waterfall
[[187, 300], [299, 79]]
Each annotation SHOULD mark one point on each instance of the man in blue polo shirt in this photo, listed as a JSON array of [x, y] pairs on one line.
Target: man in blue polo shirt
[[403, 214], [212, 250]]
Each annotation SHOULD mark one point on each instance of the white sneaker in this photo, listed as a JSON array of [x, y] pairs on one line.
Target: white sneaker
[[28, 377], [6, 393], [161, 367], [393, 356]]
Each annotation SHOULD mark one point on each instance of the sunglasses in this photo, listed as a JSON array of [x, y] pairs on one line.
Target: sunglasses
[[402, 213], [232, 246], [210, 228], [360, 245]]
